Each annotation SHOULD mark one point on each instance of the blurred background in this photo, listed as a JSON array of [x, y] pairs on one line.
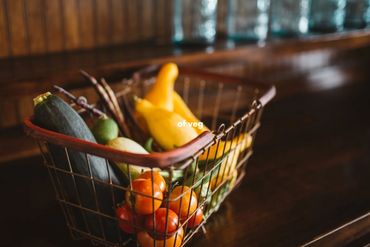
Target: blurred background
[[40, 38], [34, 27]]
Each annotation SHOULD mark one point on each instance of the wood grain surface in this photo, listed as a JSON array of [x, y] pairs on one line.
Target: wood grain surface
[[29, 27], [309, 175]]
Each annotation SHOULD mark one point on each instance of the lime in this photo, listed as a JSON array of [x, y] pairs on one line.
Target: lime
[[104, 130]]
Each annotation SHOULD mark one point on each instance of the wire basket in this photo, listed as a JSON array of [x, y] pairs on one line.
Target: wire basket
[[211, 165]]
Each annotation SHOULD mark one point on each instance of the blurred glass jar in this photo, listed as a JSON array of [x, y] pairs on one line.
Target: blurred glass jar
[[289, 17], [357, 14], [327, 15], [247, 20], [194, 21]]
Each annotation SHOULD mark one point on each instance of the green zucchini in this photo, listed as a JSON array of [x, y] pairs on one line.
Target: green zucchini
[[52, 113]]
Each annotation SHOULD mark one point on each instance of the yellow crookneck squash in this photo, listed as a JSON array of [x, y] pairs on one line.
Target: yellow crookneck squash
[[180, 107], [216, 151], [161, 93], [163, 125]]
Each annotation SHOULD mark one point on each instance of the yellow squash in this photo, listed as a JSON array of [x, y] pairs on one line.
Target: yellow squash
[[166, 127], [243, 141], [230, 160], [180, 107], [226, 169], [161, 93]]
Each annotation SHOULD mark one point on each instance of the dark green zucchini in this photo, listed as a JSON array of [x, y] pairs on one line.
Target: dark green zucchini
[[52, 113]]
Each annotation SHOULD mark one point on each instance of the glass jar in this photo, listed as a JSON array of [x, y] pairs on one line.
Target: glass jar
[[194, 21], [247, 20], [327, 15], [289, 17], [357, 14]]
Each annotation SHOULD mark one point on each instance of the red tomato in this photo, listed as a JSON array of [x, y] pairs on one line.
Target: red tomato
[[144, 203], [196, 219], [184, 205], [158, 179], [126, 219], [160, 221], [145, 240]]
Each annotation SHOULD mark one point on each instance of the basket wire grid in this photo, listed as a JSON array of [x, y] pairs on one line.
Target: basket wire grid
[[210, 176]]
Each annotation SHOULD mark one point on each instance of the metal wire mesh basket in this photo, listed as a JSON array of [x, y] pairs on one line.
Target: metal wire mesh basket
[[210, 166]]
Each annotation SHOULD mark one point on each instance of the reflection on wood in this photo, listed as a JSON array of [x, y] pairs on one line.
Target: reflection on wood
[[36, 21], [54, 26], [103, 22], [70, 24], [118, 22], [19, 35], [4, 31]]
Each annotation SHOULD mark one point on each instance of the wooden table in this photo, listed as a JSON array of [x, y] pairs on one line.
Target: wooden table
[[310, 173]]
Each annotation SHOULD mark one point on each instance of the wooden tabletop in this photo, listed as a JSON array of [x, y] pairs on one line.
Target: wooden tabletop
[[309, 175]]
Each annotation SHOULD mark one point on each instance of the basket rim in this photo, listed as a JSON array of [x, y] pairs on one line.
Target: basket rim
[[268, 91], [154, 159]]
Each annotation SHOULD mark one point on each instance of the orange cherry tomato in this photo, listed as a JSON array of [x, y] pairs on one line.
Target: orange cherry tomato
[[158, 179], [145, 240], [162, 217], [184, 205], [196, 219], [127, 221], [149, 199]]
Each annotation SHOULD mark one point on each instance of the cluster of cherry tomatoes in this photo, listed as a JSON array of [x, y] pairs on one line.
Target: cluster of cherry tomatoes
[[145, 213]]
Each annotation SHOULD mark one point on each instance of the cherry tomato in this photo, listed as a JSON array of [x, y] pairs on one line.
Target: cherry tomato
[[196, 219], [145, 240], [127, 221], [143, 203], [184, 205], [160, 221], [158, 179]]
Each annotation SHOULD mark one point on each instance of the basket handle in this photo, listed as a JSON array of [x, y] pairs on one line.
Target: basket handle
[[155, 159], [268, 91]]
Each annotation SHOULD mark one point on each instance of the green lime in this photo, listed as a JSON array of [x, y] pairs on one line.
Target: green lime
[[104, 130]]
